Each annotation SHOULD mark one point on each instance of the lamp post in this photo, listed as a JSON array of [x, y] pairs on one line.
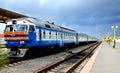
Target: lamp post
[[114, 28]]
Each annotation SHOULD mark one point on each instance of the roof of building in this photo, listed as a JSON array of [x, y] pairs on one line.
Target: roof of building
[[6, 15]]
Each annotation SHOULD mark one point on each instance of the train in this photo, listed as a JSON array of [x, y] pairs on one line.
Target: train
[[30, 35]]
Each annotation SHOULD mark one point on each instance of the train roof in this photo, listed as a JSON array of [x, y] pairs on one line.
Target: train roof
[[48, 24], [30, 20], [35, 21], [40, 22], [83, 34], [43, 23], [66, 29]]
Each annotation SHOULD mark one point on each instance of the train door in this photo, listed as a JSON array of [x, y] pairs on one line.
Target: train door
[[38, 34], [32, 34]]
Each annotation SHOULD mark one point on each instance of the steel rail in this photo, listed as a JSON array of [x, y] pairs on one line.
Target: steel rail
[[51, 66], [75, 65]]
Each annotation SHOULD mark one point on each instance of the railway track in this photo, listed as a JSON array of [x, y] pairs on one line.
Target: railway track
[[70, 63]]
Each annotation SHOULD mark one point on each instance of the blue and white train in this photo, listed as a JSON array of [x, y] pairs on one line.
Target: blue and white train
[[24, 35]]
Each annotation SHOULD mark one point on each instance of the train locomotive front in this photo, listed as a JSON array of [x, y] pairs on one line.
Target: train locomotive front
[[19, 37]]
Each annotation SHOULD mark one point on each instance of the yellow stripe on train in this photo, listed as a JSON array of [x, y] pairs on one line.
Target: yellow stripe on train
[[19, 48], [10, 33], [16, 38]]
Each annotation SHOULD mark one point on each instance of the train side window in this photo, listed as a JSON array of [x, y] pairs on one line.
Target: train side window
[[59, 35], [31, 28], [44, 34], [50, 35], [64, 35], [56, 33]]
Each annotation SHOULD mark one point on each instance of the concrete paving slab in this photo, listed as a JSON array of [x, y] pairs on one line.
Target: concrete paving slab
[[108, 59]]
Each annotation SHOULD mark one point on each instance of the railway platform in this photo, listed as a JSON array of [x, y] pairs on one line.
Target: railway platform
[[105, 60]]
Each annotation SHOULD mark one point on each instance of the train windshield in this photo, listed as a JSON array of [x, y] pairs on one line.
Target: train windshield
[[21, 27], [16, 28]]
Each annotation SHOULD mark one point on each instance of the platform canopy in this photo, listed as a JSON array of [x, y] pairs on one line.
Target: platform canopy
[[6, 15]]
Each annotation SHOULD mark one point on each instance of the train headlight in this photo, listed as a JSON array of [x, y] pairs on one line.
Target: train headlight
[[22, 42]]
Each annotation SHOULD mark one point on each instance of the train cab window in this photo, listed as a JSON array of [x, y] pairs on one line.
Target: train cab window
[[31, 28], [20, 27], [9, 28], [16, 27]]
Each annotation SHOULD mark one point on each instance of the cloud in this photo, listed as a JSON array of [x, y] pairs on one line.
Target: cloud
[[83, 15], [42, 2]]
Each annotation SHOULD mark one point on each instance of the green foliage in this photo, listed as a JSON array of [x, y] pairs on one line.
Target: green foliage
[[2, 46], [3, 59]]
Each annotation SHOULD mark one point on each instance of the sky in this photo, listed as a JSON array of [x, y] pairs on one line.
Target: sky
[[2, 28], [93, 17]]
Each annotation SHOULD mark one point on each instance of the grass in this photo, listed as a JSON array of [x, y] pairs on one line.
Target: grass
[[3, 58], [2, 46]]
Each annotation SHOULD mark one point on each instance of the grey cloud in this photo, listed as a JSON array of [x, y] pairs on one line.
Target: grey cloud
[[84, 14]]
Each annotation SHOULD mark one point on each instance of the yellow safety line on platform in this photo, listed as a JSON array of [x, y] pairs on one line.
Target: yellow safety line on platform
[[90, 63]]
